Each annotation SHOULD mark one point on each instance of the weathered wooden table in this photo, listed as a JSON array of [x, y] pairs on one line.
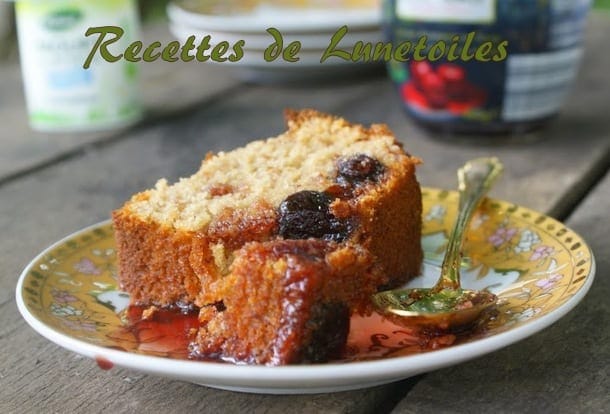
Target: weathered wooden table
[[53, 185]]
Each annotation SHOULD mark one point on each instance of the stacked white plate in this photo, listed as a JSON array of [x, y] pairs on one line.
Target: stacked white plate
[[313, 27]]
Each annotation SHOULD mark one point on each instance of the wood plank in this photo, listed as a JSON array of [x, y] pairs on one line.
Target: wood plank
[[39, 208], [48, 379], [58, 200], [166, 88], [563, 369], [548, 169], [43, 207]]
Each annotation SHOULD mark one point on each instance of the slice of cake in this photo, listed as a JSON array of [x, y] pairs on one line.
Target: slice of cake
[[343, 190], [286, 301]]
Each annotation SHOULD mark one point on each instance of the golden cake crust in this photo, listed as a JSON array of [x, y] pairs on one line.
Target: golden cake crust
[[155, 265], [286, 301], [207, 239], [161, 264]]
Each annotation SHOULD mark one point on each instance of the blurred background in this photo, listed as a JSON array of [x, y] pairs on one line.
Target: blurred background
[[150, 11], [434, 93]]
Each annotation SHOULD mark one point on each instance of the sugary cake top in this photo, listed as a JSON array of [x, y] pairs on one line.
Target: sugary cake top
[[303, 158]]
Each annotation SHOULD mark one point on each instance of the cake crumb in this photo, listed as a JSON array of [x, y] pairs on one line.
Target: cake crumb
[[218, 190], [149, 312]]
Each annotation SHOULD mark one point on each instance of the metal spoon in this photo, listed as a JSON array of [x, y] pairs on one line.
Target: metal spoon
[[446, 305]]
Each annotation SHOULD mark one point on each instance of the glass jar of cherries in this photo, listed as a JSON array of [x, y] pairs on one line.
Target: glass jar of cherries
[[481, 66]]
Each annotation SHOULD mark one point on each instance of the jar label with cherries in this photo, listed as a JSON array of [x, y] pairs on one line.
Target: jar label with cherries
[[500, 63]]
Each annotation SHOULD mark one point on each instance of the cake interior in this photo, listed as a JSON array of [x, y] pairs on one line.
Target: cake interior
[[280, 241], [303, 158]]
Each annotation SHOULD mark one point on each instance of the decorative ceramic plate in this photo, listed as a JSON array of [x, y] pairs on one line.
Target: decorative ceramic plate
[[539, 268], [252, 66], [287, 16], [315, 42]]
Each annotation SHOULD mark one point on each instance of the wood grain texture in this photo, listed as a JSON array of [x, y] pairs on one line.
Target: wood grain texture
[[166, 88], [48, 379], [548, 171], [62, 198], [563, 369]]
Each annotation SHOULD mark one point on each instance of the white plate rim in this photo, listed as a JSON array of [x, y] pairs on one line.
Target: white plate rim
[[294, 379], [261, 40], [298, 23]]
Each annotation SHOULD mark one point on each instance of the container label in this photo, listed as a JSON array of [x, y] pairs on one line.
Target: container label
[[60, 94], [454, 11], [537, 84], [543, 55]]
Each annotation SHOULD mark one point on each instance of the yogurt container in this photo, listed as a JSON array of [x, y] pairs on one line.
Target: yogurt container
[[535, 48], [61, 95]]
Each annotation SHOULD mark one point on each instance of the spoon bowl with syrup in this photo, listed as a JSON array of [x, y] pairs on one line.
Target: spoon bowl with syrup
[[446, 305]]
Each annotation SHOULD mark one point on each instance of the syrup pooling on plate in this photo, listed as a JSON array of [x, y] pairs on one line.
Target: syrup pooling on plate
[[71, 289], [158, 331], [169, 332]]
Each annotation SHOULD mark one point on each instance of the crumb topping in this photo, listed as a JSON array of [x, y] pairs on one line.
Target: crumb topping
[[303, 158]]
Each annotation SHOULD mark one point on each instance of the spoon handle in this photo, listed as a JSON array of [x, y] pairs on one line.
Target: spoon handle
[[475, 179]]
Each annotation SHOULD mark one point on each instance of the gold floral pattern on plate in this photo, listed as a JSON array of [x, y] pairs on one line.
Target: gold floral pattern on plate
[[537, 266]]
